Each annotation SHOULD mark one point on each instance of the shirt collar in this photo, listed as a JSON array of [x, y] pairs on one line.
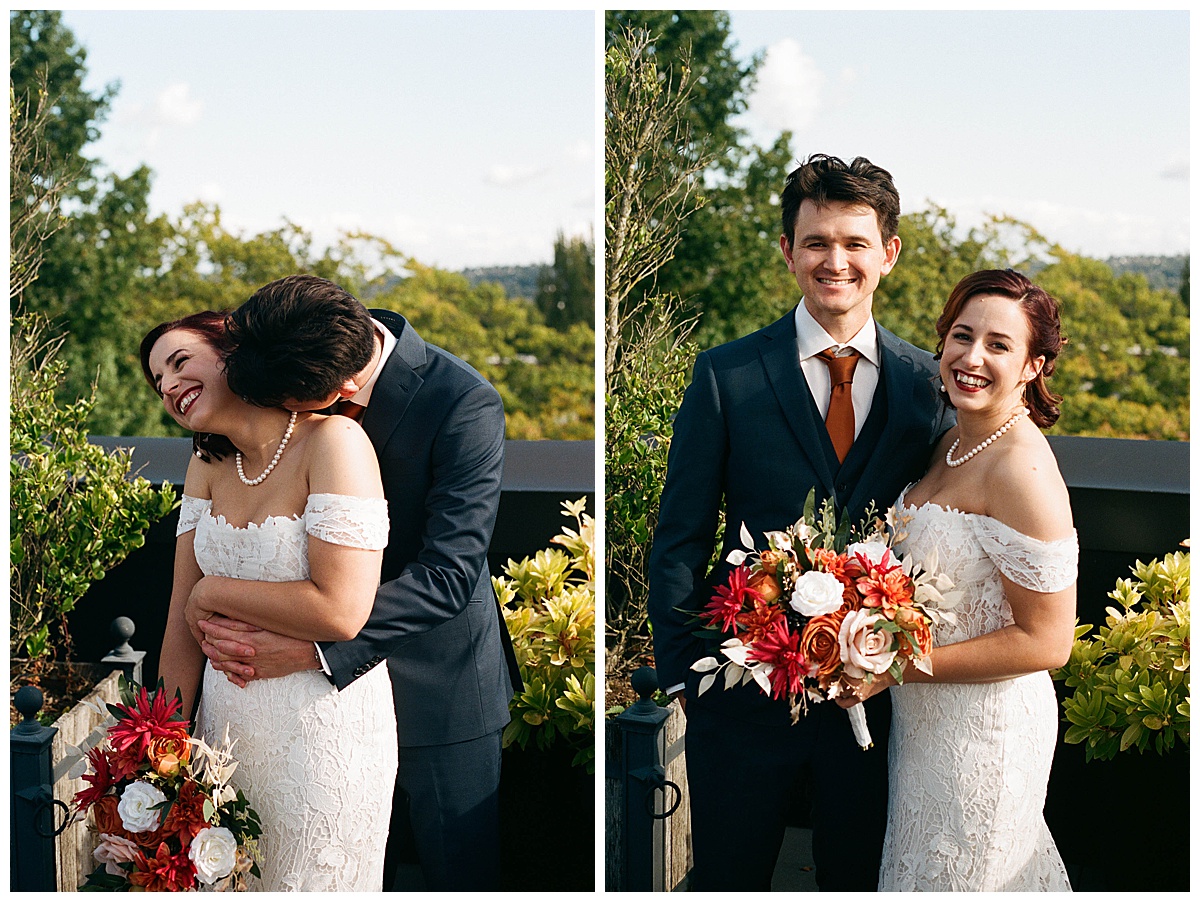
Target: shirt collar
[[363, 396], [813, 339]]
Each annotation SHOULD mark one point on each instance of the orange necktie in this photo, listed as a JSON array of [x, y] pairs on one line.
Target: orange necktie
[[839, 420]]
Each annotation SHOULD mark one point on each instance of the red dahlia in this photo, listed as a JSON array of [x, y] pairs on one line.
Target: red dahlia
[[781, 649], [101, 778], [728, 601], [149, 717], [164, 872]]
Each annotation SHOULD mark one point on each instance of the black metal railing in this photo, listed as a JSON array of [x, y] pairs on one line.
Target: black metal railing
[[538, 477]]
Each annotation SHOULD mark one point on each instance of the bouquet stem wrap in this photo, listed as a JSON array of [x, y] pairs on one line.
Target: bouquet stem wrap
[[858, 723]]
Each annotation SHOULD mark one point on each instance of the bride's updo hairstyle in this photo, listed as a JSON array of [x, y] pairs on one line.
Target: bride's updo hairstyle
[[210, 325], [1045, 330]]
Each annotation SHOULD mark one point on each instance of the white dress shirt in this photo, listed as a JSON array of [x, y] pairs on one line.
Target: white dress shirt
[[813, 339]]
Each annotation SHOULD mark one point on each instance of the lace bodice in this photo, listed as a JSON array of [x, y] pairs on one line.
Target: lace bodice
[[276, 549], [973, 550]]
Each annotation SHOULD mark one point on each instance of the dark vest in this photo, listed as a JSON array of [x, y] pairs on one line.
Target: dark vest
[[846, 475]]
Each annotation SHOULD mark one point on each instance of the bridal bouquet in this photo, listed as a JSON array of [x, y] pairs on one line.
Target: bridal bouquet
[[161, 803], [823, 607]]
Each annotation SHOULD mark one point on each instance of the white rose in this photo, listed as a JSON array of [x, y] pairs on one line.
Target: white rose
[[875, 552], [113, 851], [214, 853], [136, 807], [816, 593], [863, 649]]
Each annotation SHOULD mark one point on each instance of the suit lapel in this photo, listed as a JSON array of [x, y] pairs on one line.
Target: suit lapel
[[899, 373], [397, 384], [780, 355]]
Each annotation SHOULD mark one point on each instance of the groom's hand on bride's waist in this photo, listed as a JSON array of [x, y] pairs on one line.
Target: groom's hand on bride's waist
[[244, 652]]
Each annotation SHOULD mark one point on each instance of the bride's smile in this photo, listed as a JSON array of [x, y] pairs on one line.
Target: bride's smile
[[985, 362]]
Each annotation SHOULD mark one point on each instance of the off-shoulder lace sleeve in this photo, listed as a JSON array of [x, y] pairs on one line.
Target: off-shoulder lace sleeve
[[190, 512], [347, 520], [1028, 562]]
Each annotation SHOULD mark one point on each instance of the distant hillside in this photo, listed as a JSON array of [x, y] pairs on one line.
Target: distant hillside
[[517, 281], [1160, 272]]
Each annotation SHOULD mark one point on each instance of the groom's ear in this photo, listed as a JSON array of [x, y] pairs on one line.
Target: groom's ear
[[891, 253]]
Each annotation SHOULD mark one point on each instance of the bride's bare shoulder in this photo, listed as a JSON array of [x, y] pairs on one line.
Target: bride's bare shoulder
[[1025, 489]]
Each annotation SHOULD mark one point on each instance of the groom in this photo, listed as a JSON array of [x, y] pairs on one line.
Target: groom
[[438, 430], [765, 420]]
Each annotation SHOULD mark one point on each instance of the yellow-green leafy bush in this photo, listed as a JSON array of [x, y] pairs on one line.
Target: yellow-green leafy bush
[[1131, 678], [549, 604], [74, 511]]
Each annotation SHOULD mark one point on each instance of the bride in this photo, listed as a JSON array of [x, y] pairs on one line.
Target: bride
[[296, 498], [971, 745]]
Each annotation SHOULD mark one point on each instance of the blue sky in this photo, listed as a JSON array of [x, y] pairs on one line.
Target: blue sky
[[465, 138], [1075, 122], [470, 138]]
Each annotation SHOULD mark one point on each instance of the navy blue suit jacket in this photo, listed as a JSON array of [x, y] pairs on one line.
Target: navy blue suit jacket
[[745, 443], [438, 429]]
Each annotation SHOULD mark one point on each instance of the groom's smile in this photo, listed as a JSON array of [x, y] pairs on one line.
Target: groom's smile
[[838, 256]]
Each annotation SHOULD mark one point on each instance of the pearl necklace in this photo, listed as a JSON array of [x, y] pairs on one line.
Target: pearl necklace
[[274, 460], [950, 462]]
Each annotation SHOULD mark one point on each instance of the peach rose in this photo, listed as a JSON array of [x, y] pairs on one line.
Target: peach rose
[[863, 648], [819, 644]]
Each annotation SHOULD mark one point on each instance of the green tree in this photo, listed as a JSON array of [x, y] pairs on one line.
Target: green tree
[[566, 291], [44, 52], [720, 83]]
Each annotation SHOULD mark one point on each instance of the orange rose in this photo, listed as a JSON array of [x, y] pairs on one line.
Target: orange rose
[[766, 585], [819, 645], [106, 816], [167, 753], [916, 640], [770, 560]]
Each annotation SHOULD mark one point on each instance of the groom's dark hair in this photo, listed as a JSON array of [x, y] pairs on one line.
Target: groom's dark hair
[[824, 179], [297, 339]]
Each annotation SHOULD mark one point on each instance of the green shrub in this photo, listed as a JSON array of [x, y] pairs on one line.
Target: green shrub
[[1131, 679], [74, 513], [549, 604]]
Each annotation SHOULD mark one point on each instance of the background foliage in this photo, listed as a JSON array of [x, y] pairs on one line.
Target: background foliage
[[113, 270], [714, 196], [549, 604], [1130, 680]]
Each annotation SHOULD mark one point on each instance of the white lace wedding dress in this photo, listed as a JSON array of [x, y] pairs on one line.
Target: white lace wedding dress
[[968, 763], [318, 765]]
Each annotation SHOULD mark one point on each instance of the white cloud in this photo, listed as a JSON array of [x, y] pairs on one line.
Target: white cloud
[[174, 105], [506, 176], [1178, 169], [1093, 232], [788, 92]]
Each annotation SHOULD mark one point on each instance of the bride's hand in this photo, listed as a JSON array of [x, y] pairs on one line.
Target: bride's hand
[[244, 652], [855, 692]]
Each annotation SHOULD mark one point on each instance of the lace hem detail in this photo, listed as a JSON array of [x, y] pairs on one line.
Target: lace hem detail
[[348, 520]]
